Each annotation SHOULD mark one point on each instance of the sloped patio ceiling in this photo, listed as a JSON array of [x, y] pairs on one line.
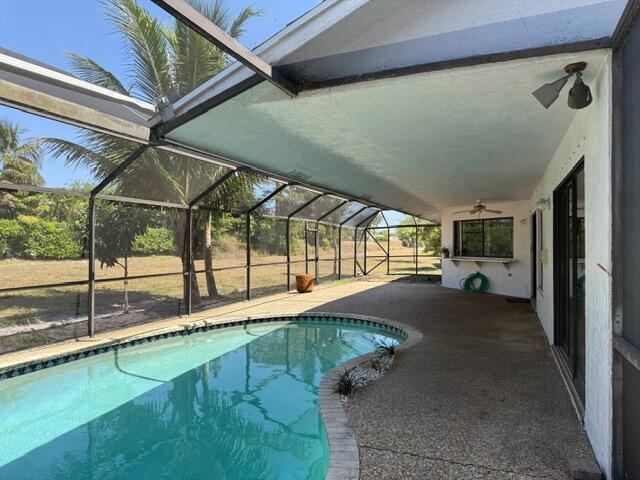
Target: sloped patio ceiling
[[384, 35], [416, 143]]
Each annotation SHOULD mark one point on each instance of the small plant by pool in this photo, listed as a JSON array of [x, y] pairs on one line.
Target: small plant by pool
[[233, 403]]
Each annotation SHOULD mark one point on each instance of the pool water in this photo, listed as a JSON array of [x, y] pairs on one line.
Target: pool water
[[234, 403]]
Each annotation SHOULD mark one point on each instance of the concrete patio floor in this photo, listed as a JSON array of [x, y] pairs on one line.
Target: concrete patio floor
[[479, 397]]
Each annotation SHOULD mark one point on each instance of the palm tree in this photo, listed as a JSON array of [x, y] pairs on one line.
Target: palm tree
[[163, 60], [19, 163]]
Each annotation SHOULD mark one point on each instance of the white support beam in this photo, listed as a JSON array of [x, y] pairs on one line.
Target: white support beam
[[44, 91]]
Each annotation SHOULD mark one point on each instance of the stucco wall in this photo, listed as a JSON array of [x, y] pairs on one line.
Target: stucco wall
[[588, 136], [514, 282]]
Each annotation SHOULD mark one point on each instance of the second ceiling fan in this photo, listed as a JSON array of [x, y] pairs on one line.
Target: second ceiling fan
[[478, 207]]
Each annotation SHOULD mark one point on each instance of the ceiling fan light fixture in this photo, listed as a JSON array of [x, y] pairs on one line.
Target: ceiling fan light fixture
[[580, 94]]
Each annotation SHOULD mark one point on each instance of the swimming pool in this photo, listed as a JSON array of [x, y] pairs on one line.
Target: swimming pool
[[232, 403]]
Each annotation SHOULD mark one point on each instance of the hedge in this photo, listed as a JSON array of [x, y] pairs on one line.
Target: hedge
[[33, 238]]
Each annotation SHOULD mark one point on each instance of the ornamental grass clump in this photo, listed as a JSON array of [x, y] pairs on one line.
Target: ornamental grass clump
[[347, 382], [386, 348]]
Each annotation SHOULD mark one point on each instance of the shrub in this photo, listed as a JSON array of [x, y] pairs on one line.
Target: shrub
[[33, 238], [11, 238], [45, 240], [154, 241]]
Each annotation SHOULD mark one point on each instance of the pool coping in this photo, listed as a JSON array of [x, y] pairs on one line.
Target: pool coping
[[344, 458], [344, 454]]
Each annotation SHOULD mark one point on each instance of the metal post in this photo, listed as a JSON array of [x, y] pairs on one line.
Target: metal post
[[340, 252], [91, 247], [365, 250], [248, 242], [355, 251], [288, 256], [416, 248], [388, 242], [317, 253], [306, 248], [188, 259], [388, 250]]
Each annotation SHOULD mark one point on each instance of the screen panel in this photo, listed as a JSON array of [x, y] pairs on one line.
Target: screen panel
[[138, 239], [42, 239], [320, 207], [29, 318], [166, 176], [291, 199]]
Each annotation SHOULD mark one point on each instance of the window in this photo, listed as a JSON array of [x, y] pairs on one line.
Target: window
[[484, 238]]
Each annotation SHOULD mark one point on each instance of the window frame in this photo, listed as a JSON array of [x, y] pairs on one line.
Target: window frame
[[457, 247]]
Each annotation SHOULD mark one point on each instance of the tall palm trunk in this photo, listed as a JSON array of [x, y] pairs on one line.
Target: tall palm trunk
[[212, 288]]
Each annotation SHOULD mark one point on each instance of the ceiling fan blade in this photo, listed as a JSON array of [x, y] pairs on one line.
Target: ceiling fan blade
[[549, 92], [472, 212], [463, 211], [497, 212]]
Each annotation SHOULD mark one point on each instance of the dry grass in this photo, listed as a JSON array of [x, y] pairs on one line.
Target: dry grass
[[149, 298]]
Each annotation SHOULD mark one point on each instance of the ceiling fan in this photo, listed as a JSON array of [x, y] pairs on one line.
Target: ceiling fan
[[579, 95], [478, 208]]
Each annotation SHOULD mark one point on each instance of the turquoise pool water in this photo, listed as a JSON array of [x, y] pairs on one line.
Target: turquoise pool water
[[234, 403]]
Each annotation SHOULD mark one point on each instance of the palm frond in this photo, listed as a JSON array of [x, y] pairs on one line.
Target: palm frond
[[10, 133], [30, 152], [195, 59], [87, 69], [237, 28], [216, 11], [71, 152], [86, 154], [147, 47]]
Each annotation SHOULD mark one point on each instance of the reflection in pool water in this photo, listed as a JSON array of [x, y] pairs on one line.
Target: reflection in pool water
[[238, 403]]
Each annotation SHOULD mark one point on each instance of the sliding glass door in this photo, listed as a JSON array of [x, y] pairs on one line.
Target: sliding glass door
[[569, 254]]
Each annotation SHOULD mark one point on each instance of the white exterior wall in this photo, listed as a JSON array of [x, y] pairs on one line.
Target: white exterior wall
[[588, 136], [516, 281]]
